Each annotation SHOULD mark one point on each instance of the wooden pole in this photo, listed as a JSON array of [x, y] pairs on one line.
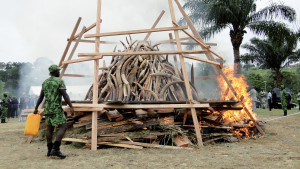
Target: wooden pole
[[69, 42], [185, 76], [154, 25], [95, 84], [210, 57], [72, 53]]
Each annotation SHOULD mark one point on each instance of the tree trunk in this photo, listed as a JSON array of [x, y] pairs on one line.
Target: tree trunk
[[236, 41], [278, 78]]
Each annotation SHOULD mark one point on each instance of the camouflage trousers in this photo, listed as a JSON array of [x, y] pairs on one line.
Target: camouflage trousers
[[284, 106], [55, 119], [3, 113]]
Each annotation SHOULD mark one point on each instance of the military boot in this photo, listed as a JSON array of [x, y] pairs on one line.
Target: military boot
[[50, 146], [55, 152], [285, 113]]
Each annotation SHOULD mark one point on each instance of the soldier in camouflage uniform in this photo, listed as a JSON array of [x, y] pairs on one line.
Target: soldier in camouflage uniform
[[53, 89], [4, 107], [283, 96]]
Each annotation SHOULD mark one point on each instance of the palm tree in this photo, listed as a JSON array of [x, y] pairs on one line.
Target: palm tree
[[273, 53], [237, 15]]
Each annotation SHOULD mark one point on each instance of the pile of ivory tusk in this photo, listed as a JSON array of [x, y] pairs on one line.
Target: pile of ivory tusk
[[141, 78]]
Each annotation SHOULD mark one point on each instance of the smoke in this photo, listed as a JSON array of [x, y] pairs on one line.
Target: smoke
[[33, 75]]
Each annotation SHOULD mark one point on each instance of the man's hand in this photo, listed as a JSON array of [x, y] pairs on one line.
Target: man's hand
[[72, 111], [35, 111]]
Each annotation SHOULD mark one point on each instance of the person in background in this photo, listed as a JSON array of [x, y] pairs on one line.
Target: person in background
[[274, 100], [53, 89], [15, 107], [10, 107], [298, 98], [263, 98], [270, 100], [253, 95], [4, 106], [283, 96], [23, 102], [31, 102]]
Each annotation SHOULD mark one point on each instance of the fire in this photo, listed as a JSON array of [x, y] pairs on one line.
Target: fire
[[240, 86]]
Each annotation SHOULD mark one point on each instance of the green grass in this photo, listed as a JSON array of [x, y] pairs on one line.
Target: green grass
[[279, 148]]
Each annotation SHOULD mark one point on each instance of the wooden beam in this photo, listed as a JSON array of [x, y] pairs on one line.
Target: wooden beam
[[135, 31], [200, 43], [69, 42], [154, 25], [184, 39], [185, 77], [75, 140], [65, 66], [140, 106], [123, 145], [95, 56], [155, 145], [93, 41], [202, 60], [86, 30], [95, 84], [143, 53], [76, 75]]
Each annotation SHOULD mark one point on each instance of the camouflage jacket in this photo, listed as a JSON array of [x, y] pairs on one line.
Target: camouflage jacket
[[53, 98]]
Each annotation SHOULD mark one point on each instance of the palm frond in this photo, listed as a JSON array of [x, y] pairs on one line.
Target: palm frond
[[274, 11]]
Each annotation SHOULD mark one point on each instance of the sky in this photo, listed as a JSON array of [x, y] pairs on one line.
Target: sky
[[39, 28]]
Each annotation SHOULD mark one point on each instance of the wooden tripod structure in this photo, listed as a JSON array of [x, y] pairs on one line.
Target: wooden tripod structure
[[96, 56]]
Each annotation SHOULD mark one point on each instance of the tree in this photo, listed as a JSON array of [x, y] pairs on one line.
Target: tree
[[237, 15], [273, 53]]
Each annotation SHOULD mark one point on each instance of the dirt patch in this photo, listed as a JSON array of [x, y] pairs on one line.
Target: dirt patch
[[278, 149]]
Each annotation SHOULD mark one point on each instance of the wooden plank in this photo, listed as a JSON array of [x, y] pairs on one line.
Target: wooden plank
[[95, 84], [76, 125], [182, 141], [75, 140], [202, 60], [93, 41], [86, 30], [76, 75], [135, 31], [69, 42], [65, 66], [200, 43], [184, 39], [141, 106], [185, 77], [114, 115], [114, 124], [155, 145], [154, 25], [142, 53], [123, 145], [100, 55]]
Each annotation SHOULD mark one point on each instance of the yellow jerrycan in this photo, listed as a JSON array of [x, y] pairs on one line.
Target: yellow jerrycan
[[32, 125]]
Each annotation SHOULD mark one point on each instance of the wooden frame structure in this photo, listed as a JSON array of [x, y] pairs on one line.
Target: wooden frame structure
[[97, 55]]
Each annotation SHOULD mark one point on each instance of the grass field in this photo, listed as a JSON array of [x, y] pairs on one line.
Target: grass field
[[279, 148]]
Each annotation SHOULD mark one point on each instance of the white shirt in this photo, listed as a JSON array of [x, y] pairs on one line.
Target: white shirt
[[269, 95]]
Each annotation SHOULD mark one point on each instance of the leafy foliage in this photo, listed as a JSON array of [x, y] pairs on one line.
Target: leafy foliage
[[273, 53], [215, 15]]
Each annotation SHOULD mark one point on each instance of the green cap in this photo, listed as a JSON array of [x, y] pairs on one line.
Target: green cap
[[53, 68], [282, 86]]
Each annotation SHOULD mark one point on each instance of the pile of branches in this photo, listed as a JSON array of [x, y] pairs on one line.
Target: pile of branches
[[141, 78]]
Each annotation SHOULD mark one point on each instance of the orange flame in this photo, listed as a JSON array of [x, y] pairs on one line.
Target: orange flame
[[240, 86]]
